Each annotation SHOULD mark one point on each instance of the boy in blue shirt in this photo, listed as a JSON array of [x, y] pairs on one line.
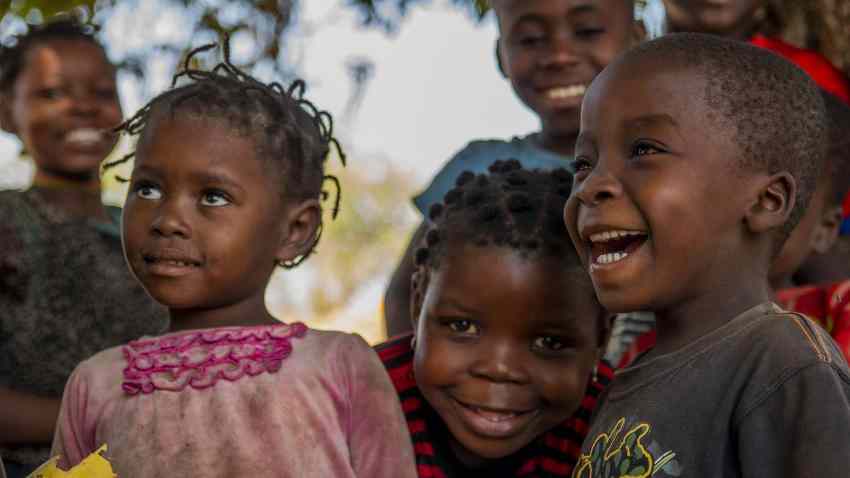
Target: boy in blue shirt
[[550, 51]]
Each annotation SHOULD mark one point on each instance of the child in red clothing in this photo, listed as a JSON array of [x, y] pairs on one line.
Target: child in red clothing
[[500, 380], [829, 304]]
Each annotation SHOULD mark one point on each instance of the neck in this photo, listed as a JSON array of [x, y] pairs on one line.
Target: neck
[[47, 180], [742, 32], [563, 144], [683, 323], [244, 314]]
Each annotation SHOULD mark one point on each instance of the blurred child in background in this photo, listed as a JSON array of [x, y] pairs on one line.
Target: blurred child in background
[[549, 51], [65, 290], [800, 284]]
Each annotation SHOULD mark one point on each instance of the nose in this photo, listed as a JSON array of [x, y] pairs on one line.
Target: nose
[[598, 186], [502, 363], [170, 220], [560, 53]]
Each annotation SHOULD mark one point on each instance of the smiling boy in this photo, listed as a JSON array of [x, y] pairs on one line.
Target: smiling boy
[[696, 158]]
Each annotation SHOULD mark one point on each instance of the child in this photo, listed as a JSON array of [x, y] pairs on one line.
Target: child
[[549, 51], [65, 291], [758, 22], [225, 187], [507, 332], [697, 157], [816, 234]]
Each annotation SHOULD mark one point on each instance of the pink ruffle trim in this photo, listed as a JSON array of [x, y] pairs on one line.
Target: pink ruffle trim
[[200, 359]]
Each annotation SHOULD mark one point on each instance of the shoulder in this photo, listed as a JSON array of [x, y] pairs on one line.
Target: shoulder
[[102, 371], [477, 156], [337, 352], [790, 339], [780, 350]]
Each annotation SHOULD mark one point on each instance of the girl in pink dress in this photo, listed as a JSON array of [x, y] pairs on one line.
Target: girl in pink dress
[[226, 186]]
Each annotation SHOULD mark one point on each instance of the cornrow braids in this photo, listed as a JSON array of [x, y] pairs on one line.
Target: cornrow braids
[[511, 207], [13, 50], [285, 126]]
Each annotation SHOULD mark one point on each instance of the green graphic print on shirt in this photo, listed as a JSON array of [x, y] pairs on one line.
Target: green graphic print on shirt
[[619, 454]]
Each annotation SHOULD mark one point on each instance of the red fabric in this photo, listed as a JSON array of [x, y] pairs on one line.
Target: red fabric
[[819, 68], [827, 305]]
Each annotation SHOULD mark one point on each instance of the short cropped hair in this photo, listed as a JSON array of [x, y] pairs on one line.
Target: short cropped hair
[[773, 110]]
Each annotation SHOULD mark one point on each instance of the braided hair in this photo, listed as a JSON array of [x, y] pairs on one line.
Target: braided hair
[[285, 126], [511, 207], [14, 50]]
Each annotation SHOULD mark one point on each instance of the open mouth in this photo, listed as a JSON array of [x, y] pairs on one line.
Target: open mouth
[[610, 247], [84, 137], [495, 422], [565, 92]]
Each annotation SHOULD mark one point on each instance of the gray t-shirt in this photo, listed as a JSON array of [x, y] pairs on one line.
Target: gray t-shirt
[[765, 395]]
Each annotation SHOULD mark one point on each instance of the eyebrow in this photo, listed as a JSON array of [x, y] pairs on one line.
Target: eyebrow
[[588, 7], [651, 120], [450, 303], [212, 177]]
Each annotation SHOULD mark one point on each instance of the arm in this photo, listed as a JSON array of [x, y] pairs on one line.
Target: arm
[[26, 418], [397, 298], [74, 438], [378, 437], [800, 428]]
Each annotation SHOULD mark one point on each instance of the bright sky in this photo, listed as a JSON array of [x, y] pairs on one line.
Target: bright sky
[[435, 85]]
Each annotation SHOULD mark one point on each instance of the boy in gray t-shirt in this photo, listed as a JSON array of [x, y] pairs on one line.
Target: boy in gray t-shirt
[[696, 158]]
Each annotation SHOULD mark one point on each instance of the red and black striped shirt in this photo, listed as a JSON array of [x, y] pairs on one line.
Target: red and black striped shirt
[[552, 455]]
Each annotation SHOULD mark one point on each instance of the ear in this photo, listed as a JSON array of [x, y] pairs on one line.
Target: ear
[[6, 121], [300, 227], [638, 32], [773, 204], [418, 287], [827, 230], [499, 60]]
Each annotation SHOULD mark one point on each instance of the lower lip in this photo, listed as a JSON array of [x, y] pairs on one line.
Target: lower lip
[[166, 269], [505, 427], [594, 266]]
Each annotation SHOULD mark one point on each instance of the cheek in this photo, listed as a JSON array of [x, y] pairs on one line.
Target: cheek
[[564, 386], [436, 362]]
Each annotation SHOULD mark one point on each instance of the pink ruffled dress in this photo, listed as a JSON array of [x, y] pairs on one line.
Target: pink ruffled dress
[[280, 400]]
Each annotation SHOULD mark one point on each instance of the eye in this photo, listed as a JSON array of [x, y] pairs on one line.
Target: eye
[[215, 198], [145, 190], [105, 93], [588, 33], [50, 93], [464, 327], [642, 148], [531, 40], [549, 343]]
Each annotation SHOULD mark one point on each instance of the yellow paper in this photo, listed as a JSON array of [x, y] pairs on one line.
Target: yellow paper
[[94, 466]]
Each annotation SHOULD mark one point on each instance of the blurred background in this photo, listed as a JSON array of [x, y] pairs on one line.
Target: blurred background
[[409, 83]]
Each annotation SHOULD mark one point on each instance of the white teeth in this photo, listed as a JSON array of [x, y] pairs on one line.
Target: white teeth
[[84, 136], [563, 92], [611, 257], [609, 235]]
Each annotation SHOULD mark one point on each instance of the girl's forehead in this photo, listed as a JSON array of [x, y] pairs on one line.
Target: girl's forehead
[[68, 56]]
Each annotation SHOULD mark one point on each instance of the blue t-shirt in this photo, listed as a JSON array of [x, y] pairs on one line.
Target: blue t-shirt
[[477, 156]]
